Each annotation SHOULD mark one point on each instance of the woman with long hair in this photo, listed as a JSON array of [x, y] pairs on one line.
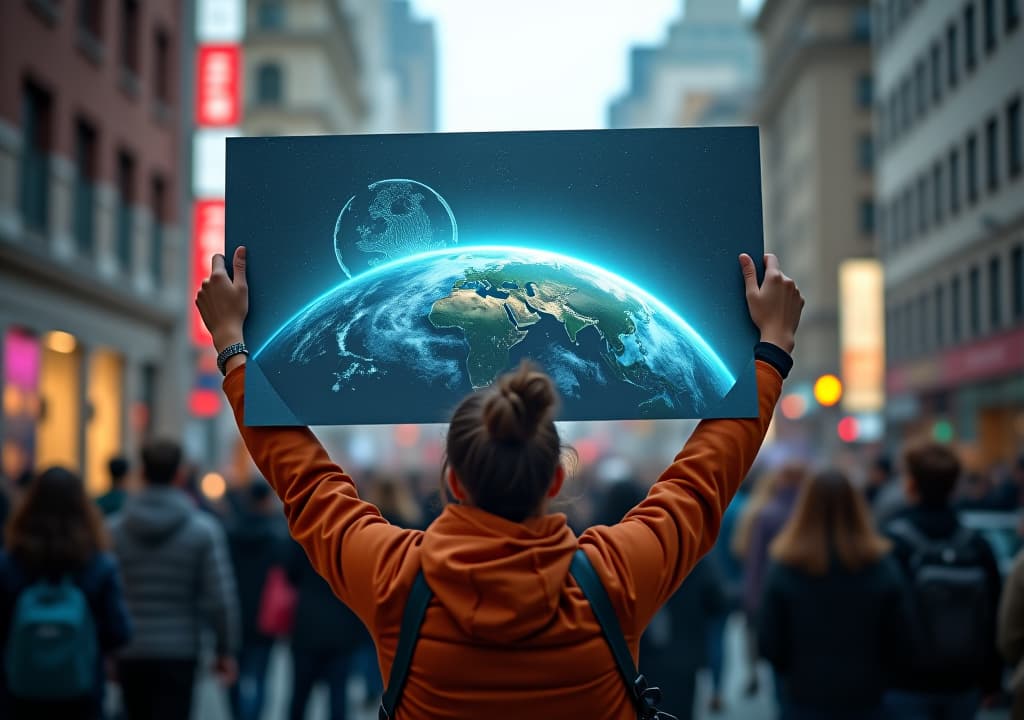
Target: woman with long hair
[[507, 631], [835, 616], [61, 608]]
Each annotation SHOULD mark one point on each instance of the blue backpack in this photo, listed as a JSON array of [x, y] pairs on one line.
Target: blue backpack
[[52, 649]]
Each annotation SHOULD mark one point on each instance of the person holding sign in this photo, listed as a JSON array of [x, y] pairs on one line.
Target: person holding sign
[[498, 610]]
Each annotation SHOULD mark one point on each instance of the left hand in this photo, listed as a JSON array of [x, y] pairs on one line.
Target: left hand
[[224, 303]]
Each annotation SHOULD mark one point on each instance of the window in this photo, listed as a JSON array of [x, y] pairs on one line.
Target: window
[[970, 48], [158, 191], [865, 95], [974, 300], [36, 119], [922, 204], [936, 72], [954, 181], [125, 197], [268, 84], [922, 323], [1011, 14], [906, 104], [1017, 276], [940, 316], [955, 312], [990, 25], [995, 293], [271, 15], [1014, 151], [130, 35], [865, 152], [162, 66], [937, 192], [89, 19], [893, 217], [992, 153], [85, 177], [951, 59], [972, 168], [867, 217], [908, 226], [921, 89]]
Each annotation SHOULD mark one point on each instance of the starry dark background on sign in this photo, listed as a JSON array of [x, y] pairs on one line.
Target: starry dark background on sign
[[667, 209]]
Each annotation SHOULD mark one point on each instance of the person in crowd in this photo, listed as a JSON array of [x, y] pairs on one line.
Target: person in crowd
[[978, 493], [955, 586], [57, 573], [884, 492], [1010, 492], [879, 477], [113, 499], [325, 639], [508, 633], [258, 542], [835, 618], [1011, 632], [176, 570], [396, 503]]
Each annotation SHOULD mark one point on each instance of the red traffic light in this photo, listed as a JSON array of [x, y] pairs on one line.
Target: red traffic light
[[848, 429]]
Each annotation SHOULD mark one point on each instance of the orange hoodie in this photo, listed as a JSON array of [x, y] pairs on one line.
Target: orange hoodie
[[508, 633]]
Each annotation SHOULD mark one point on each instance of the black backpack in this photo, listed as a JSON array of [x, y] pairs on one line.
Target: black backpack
[[951, 596], [645, 698]]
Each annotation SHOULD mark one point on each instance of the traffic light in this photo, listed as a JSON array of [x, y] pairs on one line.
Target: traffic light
[[848, 429], [828, 389]]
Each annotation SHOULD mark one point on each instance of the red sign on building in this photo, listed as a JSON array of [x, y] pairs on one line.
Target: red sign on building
[[207, 240], [218, 86]]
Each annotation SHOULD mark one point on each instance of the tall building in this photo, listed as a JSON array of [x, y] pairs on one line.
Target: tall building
[[815, 112], [92, 272], [707, 65], [951, 202]]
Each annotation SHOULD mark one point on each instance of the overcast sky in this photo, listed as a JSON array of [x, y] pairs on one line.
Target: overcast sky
[[539, 64]]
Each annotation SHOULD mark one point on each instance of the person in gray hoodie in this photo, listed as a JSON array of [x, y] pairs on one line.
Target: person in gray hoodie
[[177, 579]]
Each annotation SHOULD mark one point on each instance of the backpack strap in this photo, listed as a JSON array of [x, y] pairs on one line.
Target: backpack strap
[[644, 697], [909, 533], [412, 619]]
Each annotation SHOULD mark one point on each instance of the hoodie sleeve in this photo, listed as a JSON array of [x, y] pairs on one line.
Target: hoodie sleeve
[[347, 540], [643, 559]]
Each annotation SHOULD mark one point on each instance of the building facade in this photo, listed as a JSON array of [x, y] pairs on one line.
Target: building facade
[[951, 218], [92, 259], [815, 113]]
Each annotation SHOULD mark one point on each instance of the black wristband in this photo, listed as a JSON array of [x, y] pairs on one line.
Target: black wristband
[[774, 356]]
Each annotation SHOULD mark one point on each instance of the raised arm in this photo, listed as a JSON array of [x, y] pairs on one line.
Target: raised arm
[[346, 539], [644, 558]]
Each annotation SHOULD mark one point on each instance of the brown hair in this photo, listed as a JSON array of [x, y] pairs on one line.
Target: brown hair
[[503, 445], [56, 527], [934, 469], [830, 517], [790, 474]]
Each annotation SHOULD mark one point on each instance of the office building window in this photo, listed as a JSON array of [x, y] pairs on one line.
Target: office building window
[[1014, 149], [268, 84], [865, 94], [922, 204], [956, 313], [271, 14], [1011, 14], [940, 317], [995, 293], [162, 66], [906, 104], [158, 191], [89, 20], [989, 7], [921, 91], [992, 153], [37, 134], [951, 56], [867, 217], [937, 192], [972, 168], [922, 324], [862, 23], [893, 218], [865, 152], [908, 216], [970, 32], [974, 300], [125, 198], [954, 181], [936, 71], [85, 178], [130, 35], [1017, 276]]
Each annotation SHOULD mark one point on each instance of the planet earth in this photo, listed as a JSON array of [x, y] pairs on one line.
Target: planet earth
[[390, 220], [403, 342]]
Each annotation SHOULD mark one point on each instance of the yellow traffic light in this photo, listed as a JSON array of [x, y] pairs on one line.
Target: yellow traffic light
[[827, 390]]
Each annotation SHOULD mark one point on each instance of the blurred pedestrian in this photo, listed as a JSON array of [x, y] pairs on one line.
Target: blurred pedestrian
[[884, 491], [955, 585], [258, 541], [61, 606], [1011, 632], [325, 638], [835, 617], [113, 499], [177, 574]]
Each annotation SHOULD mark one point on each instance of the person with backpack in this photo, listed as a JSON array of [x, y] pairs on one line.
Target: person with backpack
[[955, 586], [835, 617], [178, 580], [498, 610], [62, 613]]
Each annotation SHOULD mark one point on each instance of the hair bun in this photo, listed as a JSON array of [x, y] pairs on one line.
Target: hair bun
[[518, 403]]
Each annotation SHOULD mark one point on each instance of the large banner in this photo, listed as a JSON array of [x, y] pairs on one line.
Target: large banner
[[390, 275]]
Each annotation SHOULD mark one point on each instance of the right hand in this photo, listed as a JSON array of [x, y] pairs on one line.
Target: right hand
[[223, 302], [776, 305]]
